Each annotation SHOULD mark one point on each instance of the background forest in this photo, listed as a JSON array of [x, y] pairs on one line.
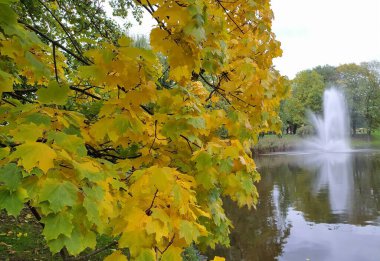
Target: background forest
[[360, 84]]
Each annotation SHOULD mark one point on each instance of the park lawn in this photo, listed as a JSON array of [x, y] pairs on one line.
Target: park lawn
[[364, 141]]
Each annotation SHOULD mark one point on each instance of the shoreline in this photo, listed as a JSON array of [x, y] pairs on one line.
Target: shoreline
[[273, 143]]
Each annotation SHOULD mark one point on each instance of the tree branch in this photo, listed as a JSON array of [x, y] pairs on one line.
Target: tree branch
[[72, 40], [55, 64], [160, 24], [229, 16], [148, 211], [85, 92], [76, 56], [188, 141], [86, 257]]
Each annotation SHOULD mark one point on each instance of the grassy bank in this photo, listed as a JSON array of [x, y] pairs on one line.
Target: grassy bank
[[273, 143], [365, 141]]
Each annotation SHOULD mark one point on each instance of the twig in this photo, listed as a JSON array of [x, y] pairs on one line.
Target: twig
[[229, 16], [79, 58], [146, 109], [188, 141], [35, 213], [72, 40], [86, 257], [160, 24], [85, 92], [166, 248], [55, 64], [155, 135], [11, 103], [148, 211], [17, 96], [216, 89]]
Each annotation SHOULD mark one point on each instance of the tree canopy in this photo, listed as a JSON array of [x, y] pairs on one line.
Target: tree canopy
[[360, 84], [100, 137]]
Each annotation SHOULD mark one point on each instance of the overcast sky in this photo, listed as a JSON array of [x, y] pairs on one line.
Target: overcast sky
[[319, 32]]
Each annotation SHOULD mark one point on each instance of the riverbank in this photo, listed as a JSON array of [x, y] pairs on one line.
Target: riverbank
[[273, 143]]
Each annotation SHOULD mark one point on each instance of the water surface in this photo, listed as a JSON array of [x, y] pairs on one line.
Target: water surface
[[311, 207]]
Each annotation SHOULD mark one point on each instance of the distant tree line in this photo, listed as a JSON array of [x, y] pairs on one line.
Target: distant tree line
[[360, 84]]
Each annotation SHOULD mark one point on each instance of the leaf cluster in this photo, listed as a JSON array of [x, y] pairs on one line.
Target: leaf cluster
[[99, 137]]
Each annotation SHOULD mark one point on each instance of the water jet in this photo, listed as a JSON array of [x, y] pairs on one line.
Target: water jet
[[332, 129]]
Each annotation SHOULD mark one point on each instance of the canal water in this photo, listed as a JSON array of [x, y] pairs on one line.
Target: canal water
[[311, 207]]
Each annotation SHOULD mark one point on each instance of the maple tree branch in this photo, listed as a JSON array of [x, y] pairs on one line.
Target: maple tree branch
[[95, 252], [92, 152], [160, 24], [240, 99], [150, 6], [18, 97], [215, 88], [210, 95], [146, 109], [6, 101], [25, 91], [170, 243], [76, 56], [229, 16], [35, 213], [72, 40], [55, 64], [148, 211], [63, 252], [155, 135], [163, 74], [85, 92], [166, 248], [188, 141]]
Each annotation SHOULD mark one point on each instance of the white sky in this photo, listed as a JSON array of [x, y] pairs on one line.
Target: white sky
[[318, 32]]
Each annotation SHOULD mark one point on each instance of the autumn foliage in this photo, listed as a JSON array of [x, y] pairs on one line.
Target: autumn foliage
[[112, 141]]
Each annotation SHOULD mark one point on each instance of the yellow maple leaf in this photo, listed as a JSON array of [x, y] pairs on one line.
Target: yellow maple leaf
[[34, 154], [116, 256]]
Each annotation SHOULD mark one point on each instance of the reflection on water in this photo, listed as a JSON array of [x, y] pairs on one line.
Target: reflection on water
[[334, 173], [317, 207]]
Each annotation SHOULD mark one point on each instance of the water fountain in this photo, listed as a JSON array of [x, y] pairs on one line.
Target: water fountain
[[332, 130]]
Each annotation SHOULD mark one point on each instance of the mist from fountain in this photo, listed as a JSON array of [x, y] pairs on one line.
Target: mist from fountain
[[332, 130]]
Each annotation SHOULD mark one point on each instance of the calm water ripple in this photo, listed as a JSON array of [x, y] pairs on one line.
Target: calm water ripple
[[311, 207]]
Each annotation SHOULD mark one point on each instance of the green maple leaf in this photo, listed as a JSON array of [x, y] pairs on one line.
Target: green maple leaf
[[146, 255], [206, 178], [80, 240], [203, 161], [57, 224], [13, 202], [53, 94], [58, 194], [188, 231], [7, 2], [4, 152], [11, 176], [38, 119], [6, 81], [71, 143], [55, 245]]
